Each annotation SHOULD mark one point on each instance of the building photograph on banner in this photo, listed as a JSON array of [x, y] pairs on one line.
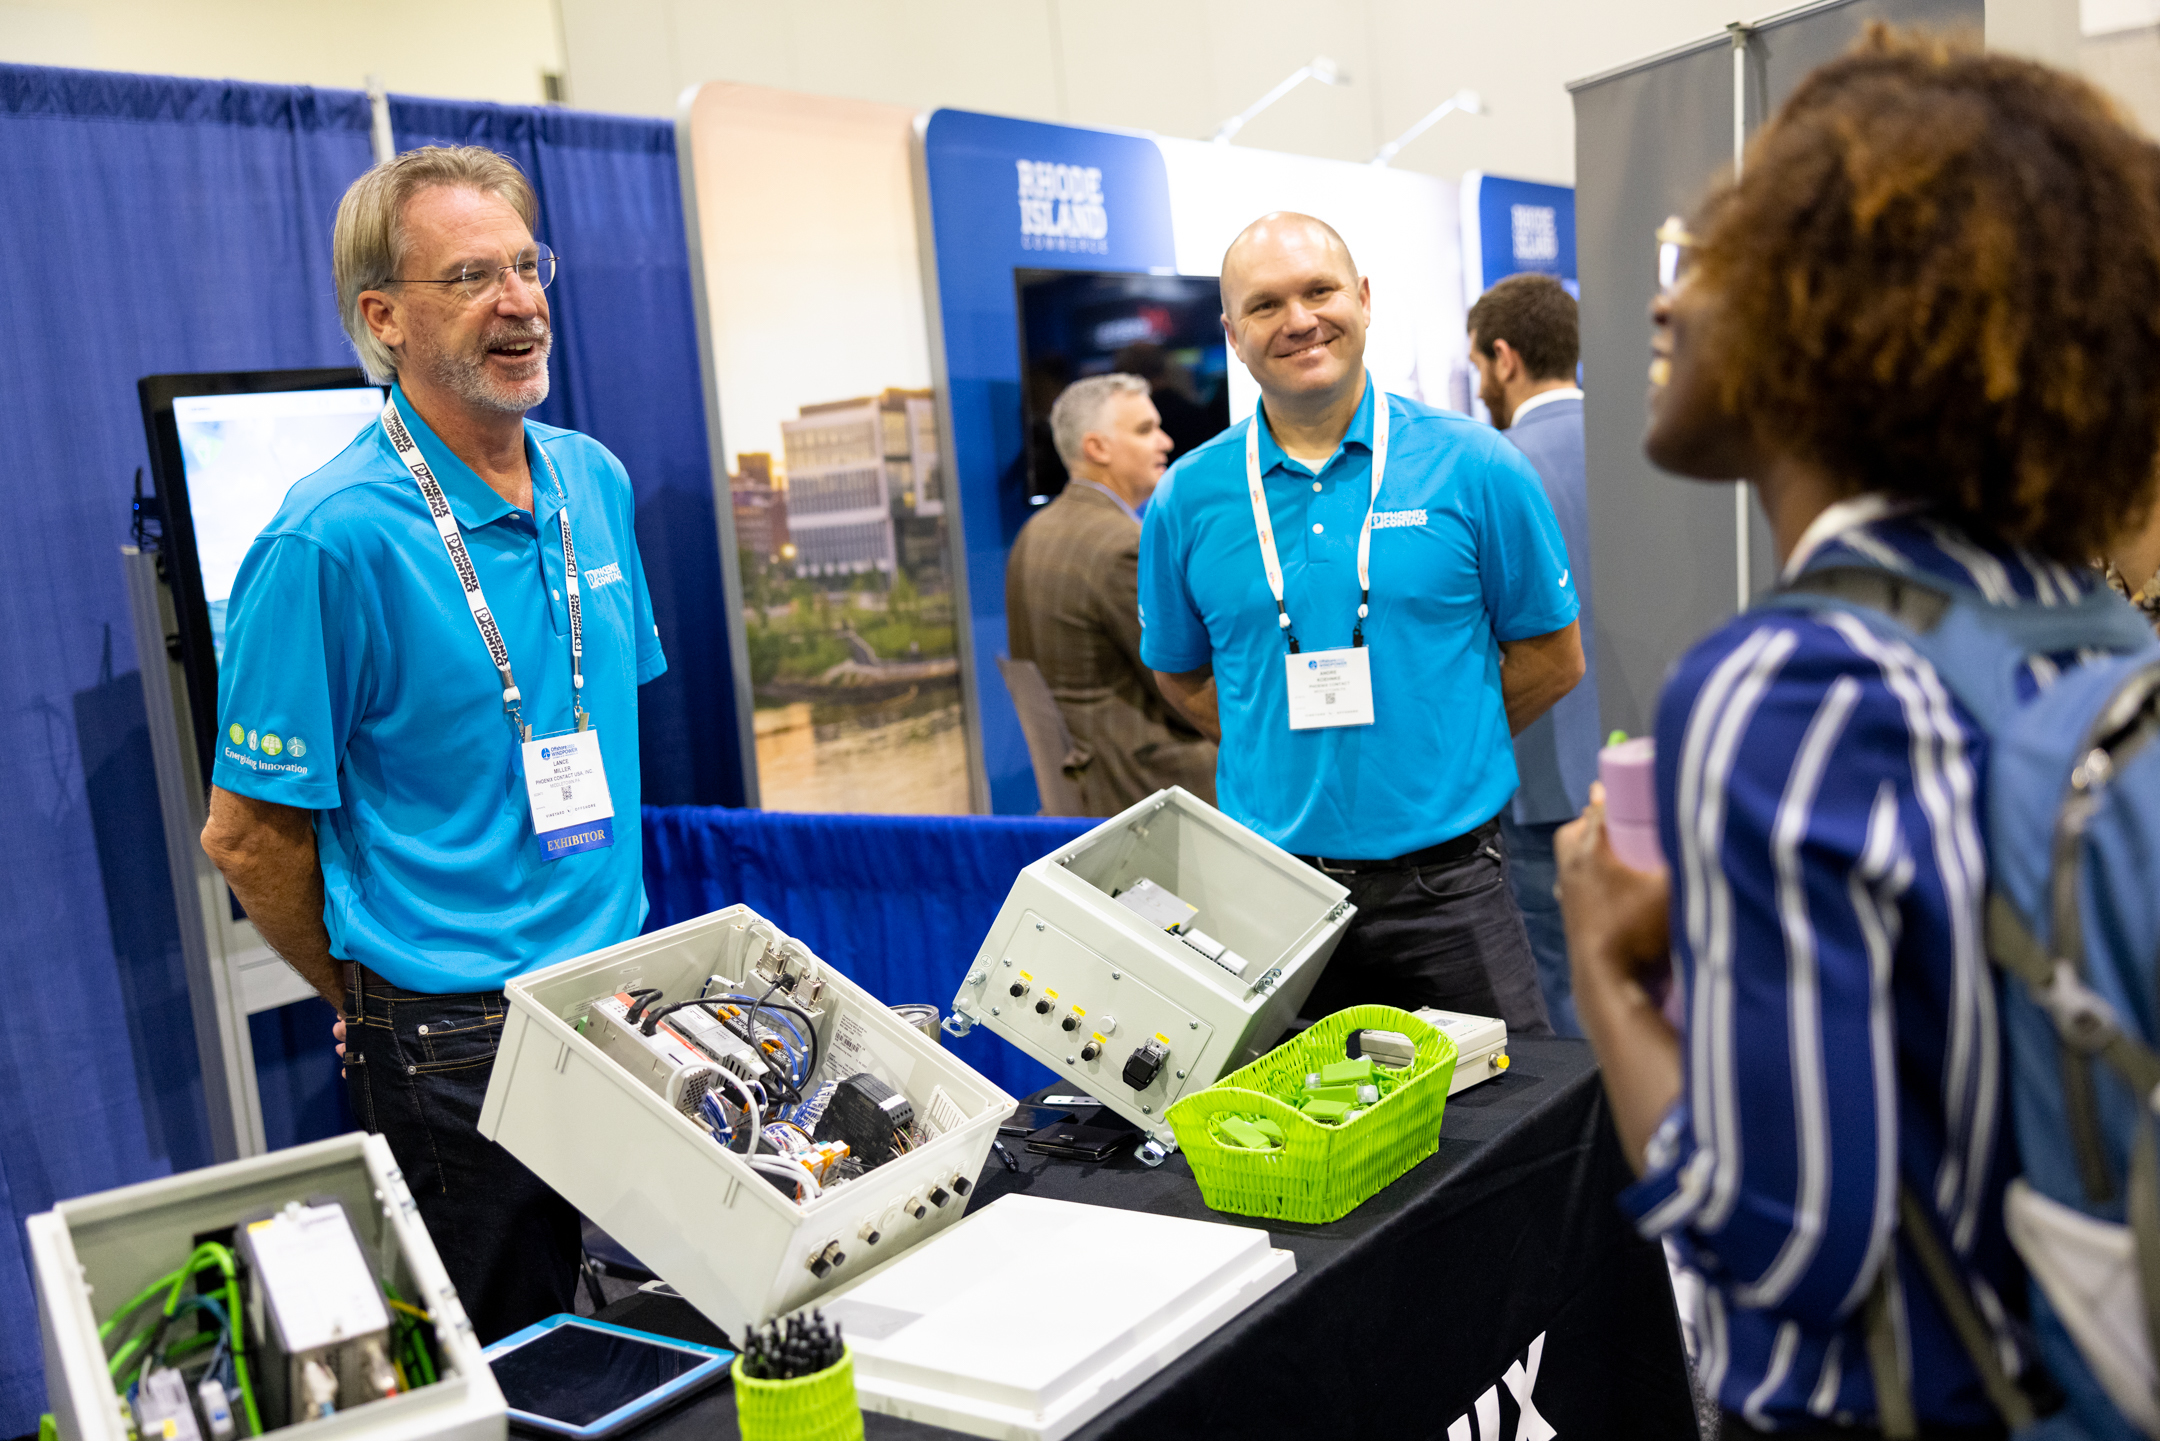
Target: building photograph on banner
[[837, 476]]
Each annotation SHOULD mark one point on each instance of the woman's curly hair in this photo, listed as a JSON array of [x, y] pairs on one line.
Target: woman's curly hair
[[1939, 278]]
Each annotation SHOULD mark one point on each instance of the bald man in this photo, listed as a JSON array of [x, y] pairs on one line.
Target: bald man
[[1363, 598]]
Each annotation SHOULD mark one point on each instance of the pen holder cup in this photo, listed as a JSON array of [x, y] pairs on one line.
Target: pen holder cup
[[818, 1407]]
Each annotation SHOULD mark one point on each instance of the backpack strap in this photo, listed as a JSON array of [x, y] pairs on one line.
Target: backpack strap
[[2054, 975], [1976, 646], [2088, 1028], [1916, 605], [1894, 1412]]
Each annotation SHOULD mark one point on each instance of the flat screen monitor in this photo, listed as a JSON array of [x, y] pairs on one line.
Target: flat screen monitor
[[1076, 323], [224, 450]]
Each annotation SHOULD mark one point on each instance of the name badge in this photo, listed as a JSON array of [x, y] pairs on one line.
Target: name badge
[[1330, 688], [566, 786]]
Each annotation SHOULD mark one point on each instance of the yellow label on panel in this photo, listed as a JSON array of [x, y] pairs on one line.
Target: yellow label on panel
[[1049, 995]]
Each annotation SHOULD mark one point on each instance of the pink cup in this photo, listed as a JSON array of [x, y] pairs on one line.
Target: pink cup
[[1629, 771]]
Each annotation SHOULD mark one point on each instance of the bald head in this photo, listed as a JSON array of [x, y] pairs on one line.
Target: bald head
[[1275, 233], [1295, 311]]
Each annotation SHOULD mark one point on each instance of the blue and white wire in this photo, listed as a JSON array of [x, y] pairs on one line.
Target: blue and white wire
[[750, 1105], [791, 1170], [762, 1006]]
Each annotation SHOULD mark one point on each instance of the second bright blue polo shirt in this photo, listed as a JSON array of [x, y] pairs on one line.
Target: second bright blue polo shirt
[[1465, 554], [354, 684]]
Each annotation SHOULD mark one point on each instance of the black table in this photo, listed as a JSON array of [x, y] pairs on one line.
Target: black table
[[1403, 1312]]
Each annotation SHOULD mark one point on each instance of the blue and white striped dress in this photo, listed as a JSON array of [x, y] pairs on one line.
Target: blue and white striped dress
[[1821, 798]]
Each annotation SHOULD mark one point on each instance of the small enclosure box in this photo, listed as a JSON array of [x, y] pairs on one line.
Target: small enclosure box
[[93, 1253], [1166, 947], [1480, 1044], [599, 1114]]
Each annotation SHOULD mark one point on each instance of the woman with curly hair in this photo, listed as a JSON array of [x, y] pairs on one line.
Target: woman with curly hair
[[1925, 323]]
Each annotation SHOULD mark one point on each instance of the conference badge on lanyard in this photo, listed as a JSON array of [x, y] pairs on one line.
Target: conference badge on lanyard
[[565, 779], [566, 785], [1325, 687]]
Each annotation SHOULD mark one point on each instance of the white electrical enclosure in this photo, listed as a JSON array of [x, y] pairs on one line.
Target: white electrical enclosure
[[1480, 1044], [944, 1336], [1095, 987], [695, 1212], [93, 1253]]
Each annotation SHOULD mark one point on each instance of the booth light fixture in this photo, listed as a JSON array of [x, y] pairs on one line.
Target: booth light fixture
[[1321, 69], [1469, 102]]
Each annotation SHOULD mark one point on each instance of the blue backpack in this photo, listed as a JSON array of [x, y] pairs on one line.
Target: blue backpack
[[2073, 923]]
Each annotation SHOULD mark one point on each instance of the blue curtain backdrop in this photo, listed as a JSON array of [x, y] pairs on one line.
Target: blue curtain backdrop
[[897, 903], [154, 225]]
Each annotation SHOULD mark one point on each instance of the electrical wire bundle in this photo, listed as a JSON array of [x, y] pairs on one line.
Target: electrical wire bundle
[[409, 1347], [148, 1350], [795, 1347], [789, 1050]]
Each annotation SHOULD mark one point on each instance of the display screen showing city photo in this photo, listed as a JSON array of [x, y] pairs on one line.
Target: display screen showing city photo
[[242, 453], [837, 470]]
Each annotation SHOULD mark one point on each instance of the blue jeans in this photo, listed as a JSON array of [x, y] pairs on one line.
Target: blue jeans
[[1532, 873], [416, 1067]]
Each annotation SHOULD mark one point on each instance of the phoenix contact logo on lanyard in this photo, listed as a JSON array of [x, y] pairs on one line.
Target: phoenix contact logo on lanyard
[[1328, 687], [468, 575]]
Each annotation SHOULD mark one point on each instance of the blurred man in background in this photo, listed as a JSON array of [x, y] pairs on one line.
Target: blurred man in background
[[1072, 607], [1524, 342]]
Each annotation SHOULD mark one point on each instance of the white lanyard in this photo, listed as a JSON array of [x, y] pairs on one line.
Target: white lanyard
[[1265, 527], [446, 527]]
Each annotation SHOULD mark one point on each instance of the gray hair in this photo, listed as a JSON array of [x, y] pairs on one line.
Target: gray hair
[[1080, 410], [367, 247]]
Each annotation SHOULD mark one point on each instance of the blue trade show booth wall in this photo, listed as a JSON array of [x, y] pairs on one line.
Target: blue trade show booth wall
[[1006, 195], [156, 225]]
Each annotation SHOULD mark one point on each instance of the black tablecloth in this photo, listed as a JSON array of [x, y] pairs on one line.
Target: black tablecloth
[[1406, 1310]]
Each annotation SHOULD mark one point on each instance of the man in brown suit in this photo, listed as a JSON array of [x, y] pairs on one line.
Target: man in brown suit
[[1072, 607]]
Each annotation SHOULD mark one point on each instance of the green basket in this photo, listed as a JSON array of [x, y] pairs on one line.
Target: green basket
[[1321, 1173], [809, 1408]]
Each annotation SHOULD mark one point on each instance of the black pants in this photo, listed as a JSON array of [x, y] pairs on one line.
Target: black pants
[[1445, 935], [417, 1067]]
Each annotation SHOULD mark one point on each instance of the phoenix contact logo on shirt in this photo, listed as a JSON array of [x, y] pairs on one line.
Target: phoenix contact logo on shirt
[[600, 575], [1390, 519], [1061, 207]]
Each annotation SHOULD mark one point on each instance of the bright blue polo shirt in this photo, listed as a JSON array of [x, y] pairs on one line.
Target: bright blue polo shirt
[[1465, 554], [358, 687]]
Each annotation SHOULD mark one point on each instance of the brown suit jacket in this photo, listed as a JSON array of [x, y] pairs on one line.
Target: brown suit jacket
[[1072, 606]]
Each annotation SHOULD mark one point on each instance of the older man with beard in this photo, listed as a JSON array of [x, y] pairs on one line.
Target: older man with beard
[[427, 770]]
